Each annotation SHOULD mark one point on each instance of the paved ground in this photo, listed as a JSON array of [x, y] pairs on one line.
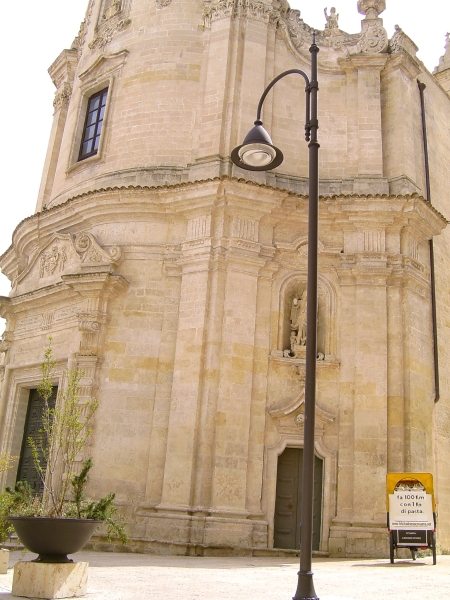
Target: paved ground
[[146, 577]]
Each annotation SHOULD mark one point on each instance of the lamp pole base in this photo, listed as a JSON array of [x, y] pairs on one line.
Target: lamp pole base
[[305, 588]]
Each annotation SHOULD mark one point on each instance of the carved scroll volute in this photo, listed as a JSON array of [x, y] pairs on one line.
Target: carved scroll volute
[[89, 325], [92, 254]]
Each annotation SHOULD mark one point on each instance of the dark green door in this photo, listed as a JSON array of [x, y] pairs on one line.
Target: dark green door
[[33, 423], [288, 503]]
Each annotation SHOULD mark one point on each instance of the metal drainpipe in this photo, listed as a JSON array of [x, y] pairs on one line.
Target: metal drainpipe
[[422, 86]]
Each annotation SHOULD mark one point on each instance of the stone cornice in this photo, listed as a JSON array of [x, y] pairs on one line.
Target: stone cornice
[[164, 202]]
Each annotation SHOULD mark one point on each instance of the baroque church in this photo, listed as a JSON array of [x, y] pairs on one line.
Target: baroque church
[[175, 281]]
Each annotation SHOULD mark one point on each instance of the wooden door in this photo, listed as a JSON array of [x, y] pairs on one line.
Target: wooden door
[[33, 423], [288, 503]]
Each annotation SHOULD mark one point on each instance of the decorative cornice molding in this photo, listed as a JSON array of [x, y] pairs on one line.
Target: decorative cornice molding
[[214, 10]]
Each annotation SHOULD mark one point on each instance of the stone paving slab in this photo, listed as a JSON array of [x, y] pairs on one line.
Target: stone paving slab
[[149, 577]]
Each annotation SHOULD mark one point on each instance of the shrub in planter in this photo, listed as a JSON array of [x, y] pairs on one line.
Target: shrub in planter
[[61, 439]]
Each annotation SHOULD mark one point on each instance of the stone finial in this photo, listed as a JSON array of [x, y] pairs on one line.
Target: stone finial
[[371, 8], [444, 61]]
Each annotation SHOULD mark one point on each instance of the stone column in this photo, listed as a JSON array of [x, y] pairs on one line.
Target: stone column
[[183, 431]]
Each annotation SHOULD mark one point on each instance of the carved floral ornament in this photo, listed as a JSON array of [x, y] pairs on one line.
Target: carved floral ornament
[[162, 3]]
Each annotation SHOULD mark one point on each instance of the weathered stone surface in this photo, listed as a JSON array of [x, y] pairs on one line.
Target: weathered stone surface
[[168, 275], [45, 580]]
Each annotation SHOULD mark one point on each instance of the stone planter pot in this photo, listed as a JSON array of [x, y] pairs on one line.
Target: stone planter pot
[[51, 538]]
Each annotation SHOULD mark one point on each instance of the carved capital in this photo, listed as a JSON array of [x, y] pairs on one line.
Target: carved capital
[[62, 97], [162, 3]]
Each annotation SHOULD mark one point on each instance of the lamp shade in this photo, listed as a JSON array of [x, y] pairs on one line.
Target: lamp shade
[[257, 153]]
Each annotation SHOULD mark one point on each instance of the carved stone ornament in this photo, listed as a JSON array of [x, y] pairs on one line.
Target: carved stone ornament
[[63, 254], [374, 38], [92, 253], [4, 345], [112, 21], [213, 10], [291, 417], [371, 8], [444, 61], [79, 41], [162, 3], [52, 260], [401, 42], [62, 97]]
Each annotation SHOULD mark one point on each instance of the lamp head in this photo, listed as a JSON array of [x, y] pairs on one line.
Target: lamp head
[[257, 153]]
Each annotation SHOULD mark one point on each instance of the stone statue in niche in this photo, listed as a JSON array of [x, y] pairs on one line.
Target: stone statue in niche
[[298, 327], [332, 20]]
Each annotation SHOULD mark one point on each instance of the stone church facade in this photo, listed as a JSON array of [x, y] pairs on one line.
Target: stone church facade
[[174, 280]]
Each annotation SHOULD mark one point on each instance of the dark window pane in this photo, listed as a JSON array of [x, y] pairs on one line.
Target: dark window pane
[[90, 131], [87, 147], [93, 124], [94, 103], [91, 118]]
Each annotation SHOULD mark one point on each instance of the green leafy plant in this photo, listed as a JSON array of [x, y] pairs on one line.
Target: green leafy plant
[[55, 450]]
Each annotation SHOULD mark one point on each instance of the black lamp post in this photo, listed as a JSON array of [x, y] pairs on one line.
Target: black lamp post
[[257, 153]]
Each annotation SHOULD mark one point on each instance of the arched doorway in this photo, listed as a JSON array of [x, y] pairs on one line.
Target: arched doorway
[[288, 503]]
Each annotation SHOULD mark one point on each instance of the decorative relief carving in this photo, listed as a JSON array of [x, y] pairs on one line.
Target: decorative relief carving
[[4, 345], [400, 41], [62, 254], [199, 227], [374, 38], [91, 252], [52, 259], [111, 21], [245, 229], [373, 241], [162, 3], [62, 97], [79, 41], [213, 10]]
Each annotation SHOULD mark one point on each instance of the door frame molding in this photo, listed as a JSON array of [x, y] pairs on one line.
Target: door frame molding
[[328, 484]]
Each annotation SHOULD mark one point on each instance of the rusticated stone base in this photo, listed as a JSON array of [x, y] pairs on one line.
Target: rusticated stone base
[[45, 580], [358, 542]]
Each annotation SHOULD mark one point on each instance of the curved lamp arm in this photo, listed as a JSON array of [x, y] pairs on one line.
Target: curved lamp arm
[[308, 94]]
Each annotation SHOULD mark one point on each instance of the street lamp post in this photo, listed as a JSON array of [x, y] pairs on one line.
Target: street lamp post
[[257, 153]]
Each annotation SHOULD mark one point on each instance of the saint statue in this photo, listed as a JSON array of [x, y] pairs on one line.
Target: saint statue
[[298, 321], [332, 18]]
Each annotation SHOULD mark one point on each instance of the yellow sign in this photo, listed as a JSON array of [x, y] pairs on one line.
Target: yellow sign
[[409, 482]]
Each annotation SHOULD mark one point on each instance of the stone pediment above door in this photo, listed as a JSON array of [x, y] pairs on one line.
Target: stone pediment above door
[[290, 418], [65, 254]]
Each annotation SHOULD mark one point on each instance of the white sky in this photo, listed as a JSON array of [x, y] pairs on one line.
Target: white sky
[[36, 32]]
